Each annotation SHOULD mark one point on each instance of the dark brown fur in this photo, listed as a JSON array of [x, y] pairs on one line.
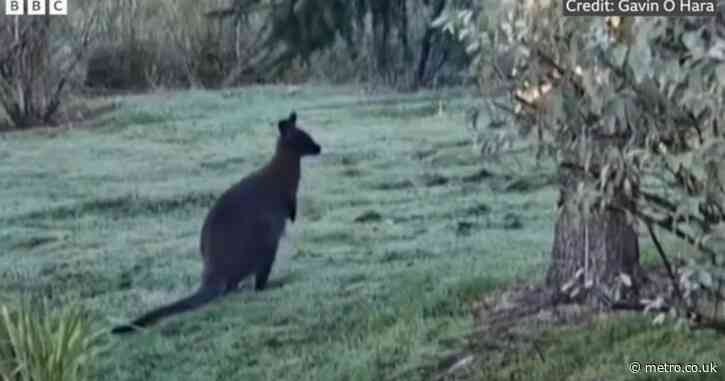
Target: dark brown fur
[[242, 230]]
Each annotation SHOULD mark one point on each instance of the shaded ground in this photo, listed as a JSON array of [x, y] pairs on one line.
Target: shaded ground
[[517, 335]]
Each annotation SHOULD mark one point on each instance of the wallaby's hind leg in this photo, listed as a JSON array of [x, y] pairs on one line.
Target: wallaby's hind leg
[[232, 283], [231, 287], [260, 278]]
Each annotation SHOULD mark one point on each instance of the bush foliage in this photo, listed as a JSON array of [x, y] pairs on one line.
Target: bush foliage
[[632, 105]]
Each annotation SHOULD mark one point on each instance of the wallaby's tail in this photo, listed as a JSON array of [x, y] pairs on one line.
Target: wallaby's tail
[[200, 297]]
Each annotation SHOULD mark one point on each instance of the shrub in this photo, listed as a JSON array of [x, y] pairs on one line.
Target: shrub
[[119, 67], [39, 345]]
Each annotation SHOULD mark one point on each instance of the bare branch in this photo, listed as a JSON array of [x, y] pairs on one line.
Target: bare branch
[[666, 262], [668, 225], [85, 42]]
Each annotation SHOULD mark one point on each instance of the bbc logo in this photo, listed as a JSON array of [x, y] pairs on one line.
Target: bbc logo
[[36, 7]]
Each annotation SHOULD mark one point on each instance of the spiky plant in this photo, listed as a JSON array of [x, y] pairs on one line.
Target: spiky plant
[[38, 344]]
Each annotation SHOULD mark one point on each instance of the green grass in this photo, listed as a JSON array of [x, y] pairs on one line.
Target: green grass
[[109, 217], [605, 349]]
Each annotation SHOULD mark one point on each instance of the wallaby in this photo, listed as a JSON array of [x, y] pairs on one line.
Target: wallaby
[[242, 230]]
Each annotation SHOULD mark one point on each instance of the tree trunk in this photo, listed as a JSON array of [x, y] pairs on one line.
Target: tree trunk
[[426, 45], [403, 32], [383, 45], [603, 245], [381, 33]]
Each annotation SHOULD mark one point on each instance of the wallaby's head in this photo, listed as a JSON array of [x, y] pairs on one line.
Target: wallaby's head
[[293, 138]]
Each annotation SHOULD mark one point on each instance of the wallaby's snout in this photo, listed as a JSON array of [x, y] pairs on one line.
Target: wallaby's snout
[[316, 150], [306, 145]]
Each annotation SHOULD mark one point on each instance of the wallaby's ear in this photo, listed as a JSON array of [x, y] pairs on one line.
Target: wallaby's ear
[[292, 118]]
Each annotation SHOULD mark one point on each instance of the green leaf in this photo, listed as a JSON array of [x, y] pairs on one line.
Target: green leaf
[[694, 43], [619, 53], [640, 60], [705, 278], [717, 50], [720, 74], [444, 18], [472, 47]]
